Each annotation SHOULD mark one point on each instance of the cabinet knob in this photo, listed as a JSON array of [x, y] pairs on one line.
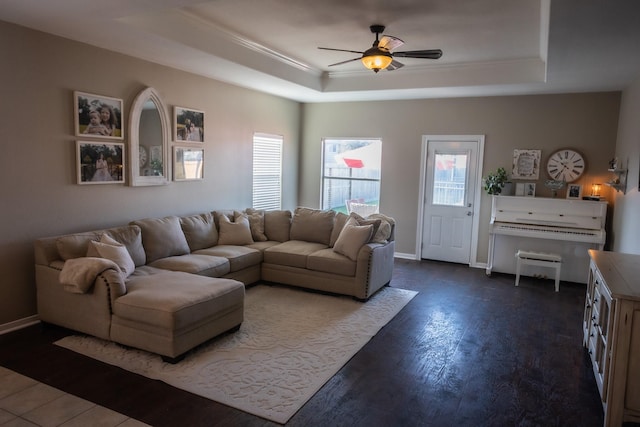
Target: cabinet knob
[[595, 300], [591, 334]]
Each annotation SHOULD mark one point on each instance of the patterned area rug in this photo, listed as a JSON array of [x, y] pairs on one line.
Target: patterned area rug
[[290, 343]]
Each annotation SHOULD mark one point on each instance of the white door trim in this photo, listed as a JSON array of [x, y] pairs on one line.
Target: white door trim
[[479, 139]]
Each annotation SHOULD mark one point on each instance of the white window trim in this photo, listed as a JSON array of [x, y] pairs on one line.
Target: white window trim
[[267, 173]]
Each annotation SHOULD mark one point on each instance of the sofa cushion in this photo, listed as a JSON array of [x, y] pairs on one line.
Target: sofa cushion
[[162, 237], [312, 225], [203, 265], [292, 253], [236, 232], [175, 301], [112, 250], [352, 237], [75, 245], [240, 257], [261, 246], [199, 230], [131, 238], [329, 261], [339, 222], [277, 225], [256, 224]]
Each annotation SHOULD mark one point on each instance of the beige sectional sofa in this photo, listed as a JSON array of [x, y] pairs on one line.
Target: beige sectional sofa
[[166, 285]]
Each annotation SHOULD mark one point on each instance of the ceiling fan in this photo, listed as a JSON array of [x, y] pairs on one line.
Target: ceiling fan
[[380, 55]]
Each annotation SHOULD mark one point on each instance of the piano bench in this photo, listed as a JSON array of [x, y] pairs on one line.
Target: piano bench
[[540, 259]]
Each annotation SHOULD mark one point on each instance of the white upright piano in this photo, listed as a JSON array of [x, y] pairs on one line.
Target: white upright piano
[[566, 227]]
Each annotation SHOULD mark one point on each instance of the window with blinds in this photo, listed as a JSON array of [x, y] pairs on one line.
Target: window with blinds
[[267, 171], [351, 175]]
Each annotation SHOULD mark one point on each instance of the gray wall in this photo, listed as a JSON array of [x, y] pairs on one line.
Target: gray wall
[[586, 122], [39, 193], [626, 224]]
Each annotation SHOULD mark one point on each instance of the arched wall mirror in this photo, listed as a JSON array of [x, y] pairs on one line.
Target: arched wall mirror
[[149, 156]]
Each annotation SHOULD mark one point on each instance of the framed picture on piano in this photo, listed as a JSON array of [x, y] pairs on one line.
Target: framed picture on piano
[[574, 191]]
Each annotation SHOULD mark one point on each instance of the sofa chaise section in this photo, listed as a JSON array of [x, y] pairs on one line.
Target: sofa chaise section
[[171, 312], [162, 311]]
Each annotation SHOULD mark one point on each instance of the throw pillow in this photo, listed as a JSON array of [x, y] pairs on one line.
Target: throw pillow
[[362, 221], [352, 237], [312, 225], [237, 232], [113, 250], [256, 224]]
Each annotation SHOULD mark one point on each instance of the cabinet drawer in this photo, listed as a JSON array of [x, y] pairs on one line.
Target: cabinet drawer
[[593, 353], [633, 385]]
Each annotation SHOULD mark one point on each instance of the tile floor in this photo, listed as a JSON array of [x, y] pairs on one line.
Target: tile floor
[[25, 402]]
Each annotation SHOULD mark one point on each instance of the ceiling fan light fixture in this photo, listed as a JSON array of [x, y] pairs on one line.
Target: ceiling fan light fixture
[[376, 59]]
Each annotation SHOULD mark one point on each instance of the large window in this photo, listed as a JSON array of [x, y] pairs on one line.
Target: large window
[[351, 175], [267, 172]]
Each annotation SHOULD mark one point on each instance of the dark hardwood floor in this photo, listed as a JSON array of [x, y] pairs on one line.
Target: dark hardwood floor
[[468, 350]]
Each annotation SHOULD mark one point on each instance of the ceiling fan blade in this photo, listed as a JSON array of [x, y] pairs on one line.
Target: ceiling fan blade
[[394, 65], [344, 62], [425, 54], [341, 50], [389, 43]]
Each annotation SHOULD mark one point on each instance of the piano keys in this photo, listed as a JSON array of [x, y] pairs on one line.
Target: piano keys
[[564, 226]]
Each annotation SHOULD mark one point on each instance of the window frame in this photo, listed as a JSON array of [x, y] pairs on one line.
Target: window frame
[[324, 177], [269, 147]]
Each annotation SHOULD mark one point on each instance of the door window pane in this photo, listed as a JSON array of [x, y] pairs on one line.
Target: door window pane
[[450, 177]]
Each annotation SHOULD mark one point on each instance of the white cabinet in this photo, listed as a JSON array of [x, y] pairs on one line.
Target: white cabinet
[[611, 326]]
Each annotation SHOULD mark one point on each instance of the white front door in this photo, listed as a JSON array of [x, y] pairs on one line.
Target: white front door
[[449, 199]]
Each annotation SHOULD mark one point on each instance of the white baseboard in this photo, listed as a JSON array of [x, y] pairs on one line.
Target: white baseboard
[[414, 257], [19, 324], [404, 256]]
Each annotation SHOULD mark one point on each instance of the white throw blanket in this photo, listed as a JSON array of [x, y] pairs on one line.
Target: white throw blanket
[[78, 274]]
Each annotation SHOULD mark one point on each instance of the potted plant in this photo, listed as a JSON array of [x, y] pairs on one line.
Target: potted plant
[[494, 182]]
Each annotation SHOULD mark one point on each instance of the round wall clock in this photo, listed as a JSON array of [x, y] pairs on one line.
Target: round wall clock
[[142, 156], [566, 165]]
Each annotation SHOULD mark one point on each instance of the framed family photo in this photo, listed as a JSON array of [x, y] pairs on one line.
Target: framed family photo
[[574, 191], [97, 116], [100, 163], [189, 124], [188, 163]]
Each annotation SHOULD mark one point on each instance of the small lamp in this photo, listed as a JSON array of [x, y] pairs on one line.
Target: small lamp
[[595, 190], [376, 59]]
